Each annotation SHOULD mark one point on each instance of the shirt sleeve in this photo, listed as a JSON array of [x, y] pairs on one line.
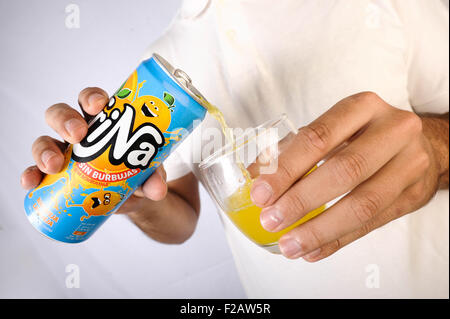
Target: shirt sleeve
[[426, 24], [175, 166]]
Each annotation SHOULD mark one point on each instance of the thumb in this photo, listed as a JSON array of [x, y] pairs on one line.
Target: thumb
[[155, 187]]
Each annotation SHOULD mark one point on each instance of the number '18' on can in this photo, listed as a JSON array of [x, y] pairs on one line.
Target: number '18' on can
[[144, 121]]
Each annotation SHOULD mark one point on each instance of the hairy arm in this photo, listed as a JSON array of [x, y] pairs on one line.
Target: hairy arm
[[436, 130]]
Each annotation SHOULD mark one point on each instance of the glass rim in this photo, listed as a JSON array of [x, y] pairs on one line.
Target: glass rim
[[223, 151]]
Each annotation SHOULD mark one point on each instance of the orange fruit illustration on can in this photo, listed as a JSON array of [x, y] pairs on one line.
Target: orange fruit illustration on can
[[100, 203]]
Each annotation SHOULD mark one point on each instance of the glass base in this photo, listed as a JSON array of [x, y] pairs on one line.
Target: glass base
[[274, 248]]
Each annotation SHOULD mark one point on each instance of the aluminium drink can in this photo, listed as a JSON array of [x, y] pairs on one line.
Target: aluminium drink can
[[144, 121]]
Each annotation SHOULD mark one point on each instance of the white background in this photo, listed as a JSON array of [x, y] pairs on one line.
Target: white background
[[42, 63]]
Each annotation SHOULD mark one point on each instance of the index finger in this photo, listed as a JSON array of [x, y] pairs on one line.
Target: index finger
[[313, 142]]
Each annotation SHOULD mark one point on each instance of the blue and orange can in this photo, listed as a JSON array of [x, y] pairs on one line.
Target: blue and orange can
[[144, 121]]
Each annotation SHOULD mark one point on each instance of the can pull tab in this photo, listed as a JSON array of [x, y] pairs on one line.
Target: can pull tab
[[181, 75]]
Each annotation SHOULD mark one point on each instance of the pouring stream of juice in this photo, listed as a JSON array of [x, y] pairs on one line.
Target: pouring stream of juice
[[229, 137]]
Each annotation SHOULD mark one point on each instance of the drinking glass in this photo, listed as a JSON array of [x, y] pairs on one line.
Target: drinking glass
[[228, 175]]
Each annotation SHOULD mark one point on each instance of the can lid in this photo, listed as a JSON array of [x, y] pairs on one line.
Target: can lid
[[180, 77]]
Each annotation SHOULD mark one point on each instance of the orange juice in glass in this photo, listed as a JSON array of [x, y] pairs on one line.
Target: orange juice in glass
[[229, 173]]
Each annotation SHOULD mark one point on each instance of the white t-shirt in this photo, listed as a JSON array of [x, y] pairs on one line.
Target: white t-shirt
[[256, 59]]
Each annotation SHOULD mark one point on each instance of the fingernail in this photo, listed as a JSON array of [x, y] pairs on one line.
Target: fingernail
[[271, 218], [261, 194], [94, 99], [313, 254], [46, 156], [290, 247], [72, 126]]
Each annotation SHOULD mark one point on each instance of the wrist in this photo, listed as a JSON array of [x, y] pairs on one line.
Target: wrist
[[170, 221], [144, 210], [436, 132]]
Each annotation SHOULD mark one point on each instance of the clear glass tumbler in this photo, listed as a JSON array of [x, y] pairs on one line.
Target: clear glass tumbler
[[228, 175]]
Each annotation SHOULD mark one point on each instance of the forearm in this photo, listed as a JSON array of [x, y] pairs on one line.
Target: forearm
[[436, 130], [171, 220]]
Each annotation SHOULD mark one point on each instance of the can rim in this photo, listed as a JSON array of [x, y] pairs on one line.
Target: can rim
[[187, 86]]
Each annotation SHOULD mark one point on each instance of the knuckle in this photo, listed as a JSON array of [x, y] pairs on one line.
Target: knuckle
[[337, 245], [41, 142], [412, 122], [315, 239], [287, 173], [86, 92], [328, 250], [416, 194], [390, 214], [366, 97], [295, 203], [333, 247], [365, 207], [49, 112], [348, 167], [365, 229], [315, 136], [30, 171], [423, 161], [55, 112], [83, 95]]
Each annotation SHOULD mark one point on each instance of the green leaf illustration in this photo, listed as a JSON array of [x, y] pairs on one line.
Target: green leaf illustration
[[169, 98], [122, 85], [123, 93]]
